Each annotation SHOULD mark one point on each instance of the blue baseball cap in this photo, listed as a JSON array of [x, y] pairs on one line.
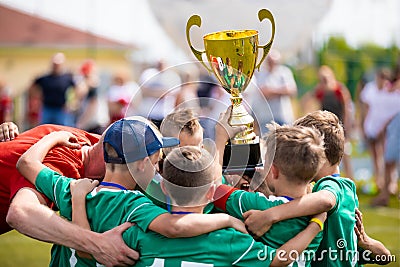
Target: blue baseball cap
[[134, 138]]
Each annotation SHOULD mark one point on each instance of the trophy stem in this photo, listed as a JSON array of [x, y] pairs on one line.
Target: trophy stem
[[240, 117]]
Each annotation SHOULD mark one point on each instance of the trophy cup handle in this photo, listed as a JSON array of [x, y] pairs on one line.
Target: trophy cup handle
[[195, 20], [266, 14]]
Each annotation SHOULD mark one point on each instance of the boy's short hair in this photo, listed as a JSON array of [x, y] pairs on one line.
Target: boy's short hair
[[188, 173], [298, 152], [331, 128], [181, 120]]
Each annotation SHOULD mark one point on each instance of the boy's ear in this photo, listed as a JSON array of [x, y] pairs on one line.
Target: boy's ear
[[211, 192], [274, 171], [162, 184], [140, 164]]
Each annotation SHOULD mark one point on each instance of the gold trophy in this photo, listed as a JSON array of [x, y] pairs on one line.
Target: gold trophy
[[232, 57]]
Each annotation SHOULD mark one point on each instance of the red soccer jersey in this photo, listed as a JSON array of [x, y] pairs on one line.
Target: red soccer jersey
[[64, 160]]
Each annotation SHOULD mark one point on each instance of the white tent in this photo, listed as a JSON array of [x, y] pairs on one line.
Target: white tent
[[130, 22], [157, 27]]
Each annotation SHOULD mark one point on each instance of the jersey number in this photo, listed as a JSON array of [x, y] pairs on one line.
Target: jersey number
[[160, 263]]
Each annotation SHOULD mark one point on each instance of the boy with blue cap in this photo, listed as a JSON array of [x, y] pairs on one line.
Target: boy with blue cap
[[131, 151]]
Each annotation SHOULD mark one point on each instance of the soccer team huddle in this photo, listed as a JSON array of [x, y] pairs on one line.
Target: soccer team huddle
[[174, 203]]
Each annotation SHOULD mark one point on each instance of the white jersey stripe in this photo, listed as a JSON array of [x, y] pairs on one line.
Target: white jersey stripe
[[244, 254], [54, 192], [240, 203], [129, 216]]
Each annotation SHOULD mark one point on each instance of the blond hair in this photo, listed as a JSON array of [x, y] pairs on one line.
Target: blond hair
[[331, 128], [297, 152], [183, 119]]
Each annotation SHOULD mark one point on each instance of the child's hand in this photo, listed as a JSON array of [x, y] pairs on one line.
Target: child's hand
[[223, 129], [80, 188], [8, 131], [238, 225], [65, 138], [258, 222], [362, 237]]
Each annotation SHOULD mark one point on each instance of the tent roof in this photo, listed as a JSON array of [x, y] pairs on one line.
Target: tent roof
[[20, 28]]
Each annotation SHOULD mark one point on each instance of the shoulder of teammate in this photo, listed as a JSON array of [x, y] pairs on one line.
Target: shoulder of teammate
[[338, 186], [140, 209], [53, 185]]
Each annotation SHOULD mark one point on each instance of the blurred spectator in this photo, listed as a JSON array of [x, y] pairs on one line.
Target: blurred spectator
[[186, 96], [89, 117], [218, 102], [380, 104], [333, 96], [392, 150], [277, 84], [53, 89], [156, 86], [120, 95], [6, 103], [206, 90]]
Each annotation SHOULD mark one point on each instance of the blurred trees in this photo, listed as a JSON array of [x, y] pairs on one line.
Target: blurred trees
[[351, 65]]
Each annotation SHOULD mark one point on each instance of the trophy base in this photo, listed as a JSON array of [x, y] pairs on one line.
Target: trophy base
[[241, 159]]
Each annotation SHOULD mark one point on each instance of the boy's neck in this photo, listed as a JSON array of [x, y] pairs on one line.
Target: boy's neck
[[177, 209], [93, 161], [327, 170], [290, 189], [122, 178]]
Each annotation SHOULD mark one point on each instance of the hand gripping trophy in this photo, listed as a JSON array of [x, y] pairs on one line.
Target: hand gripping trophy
[[232, 57]]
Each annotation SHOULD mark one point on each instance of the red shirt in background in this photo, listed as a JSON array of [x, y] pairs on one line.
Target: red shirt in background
[[64, 160], [5, 107]]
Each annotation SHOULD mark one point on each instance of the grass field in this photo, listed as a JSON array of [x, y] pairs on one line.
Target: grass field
[[380, 223]]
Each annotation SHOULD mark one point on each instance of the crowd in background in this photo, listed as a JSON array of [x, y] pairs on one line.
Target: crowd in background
[[77, 99]]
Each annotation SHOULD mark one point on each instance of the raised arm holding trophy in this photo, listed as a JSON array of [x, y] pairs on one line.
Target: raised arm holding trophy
[[232, 57]]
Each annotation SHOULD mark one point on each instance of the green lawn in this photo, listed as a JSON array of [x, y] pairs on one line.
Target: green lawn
[[381, 223]]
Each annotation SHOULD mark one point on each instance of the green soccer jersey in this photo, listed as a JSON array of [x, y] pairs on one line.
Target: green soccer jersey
[[106, 209], [155, 194], [339, 243], [240, 201], [225, 247]]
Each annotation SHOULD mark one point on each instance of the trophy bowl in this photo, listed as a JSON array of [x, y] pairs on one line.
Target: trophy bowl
[[231, 56]]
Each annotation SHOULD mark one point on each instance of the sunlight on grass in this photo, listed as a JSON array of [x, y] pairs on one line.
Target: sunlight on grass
[[19, 250]]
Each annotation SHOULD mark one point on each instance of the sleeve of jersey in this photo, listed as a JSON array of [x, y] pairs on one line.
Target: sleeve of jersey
[[131, 236], [222, 195], [236, 202], [53, 185], [332, 185], [246, 251], [142, 212]]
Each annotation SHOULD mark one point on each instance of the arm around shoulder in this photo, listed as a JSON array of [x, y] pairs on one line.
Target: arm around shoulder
[[30, 163], [177, 226], [259, 222]]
